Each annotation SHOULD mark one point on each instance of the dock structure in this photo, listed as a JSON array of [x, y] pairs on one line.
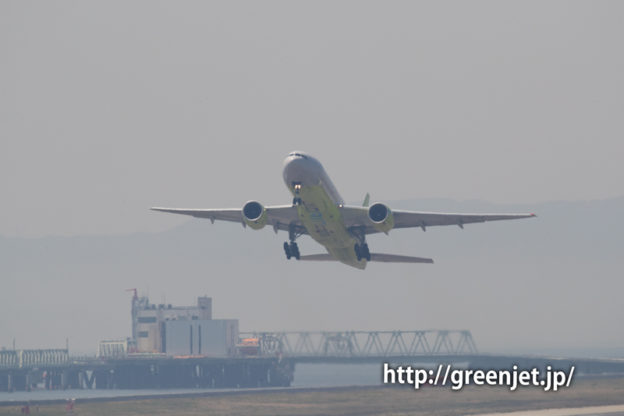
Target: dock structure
[[271, 363], [171, 346], [267, 359], [142, 372]]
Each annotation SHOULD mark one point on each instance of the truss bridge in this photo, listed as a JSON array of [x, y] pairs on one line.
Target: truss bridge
[[328, 346]]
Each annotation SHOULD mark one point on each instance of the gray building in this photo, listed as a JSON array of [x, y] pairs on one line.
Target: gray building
[[181, 330], [214, 338]]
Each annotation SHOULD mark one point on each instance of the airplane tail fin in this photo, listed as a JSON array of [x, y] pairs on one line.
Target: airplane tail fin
[[379, 257], [366, 200]]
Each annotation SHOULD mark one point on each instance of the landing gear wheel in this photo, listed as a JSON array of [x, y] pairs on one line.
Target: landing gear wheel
[[366, 252], [294, 250], [362, 252], [296, 201]]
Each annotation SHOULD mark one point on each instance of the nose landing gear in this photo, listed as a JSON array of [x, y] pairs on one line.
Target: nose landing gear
[[297, 189]]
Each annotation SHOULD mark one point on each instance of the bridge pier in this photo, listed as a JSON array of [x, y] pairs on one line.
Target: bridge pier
[[16, 380], [28, 382]]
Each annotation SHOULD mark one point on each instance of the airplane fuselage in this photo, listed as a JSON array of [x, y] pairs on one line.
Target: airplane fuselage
[[318, 207]]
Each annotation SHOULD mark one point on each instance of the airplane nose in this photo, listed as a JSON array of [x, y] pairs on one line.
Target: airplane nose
[[288, 159], [298, 168], [292, 163], [295, 158]]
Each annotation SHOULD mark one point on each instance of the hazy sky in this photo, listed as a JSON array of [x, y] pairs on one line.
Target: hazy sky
[[108, 108]]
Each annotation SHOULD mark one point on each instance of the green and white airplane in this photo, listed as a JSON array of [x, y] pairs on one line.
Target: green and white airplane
[[319, 211]]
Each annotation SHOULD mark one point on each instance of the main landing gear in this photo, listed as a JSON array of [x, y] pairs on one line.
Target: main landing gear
[[292, 249], [360, 248], [361, 251]]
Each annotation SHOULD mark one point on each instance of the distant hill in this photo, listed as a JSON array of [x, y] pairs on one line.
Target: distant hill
[[550, 283]]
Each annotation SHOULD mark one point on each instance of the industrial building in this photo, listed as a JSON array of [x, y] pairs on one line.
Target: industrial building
[[181, 330]]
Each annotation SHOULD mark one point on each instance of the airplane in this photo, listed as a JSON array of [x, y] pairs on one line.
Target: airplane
[[319, 211]]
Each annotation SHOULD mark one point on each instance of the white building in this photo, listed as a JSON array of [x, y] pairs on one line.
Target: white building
[[181, 330]]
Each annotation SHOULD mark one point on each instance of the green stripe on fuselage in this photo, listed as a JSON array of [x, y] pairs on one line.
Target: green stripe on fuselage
[[323, 221]]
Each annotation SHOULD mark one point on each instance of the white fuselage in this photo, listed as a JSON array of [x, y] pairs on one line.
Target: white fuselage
[[306, 170], [319, 207]]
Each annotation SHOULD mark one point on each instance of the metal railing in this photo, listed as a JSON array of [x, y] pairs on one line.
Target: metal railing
[[33, 358], [363, 344]]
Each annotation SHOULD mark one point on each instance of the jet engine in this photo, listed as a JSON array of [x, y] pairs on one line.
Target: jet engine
[[381, 217], [254, 215]]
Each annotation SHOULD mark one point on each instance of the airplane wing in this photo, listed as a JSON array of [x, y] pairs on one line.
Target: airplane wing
[[357, 217], [380, 257], [278, 216]]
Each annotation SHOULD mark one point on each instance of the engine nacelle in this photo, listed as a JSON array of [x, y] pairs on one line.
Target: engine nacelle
[[381, 217], [254, 215]]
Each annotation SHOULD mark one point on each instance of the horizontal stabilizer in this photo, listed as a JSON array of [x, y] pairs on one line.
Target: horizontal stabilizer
[[380, 257], [318, 257], [395, 258]]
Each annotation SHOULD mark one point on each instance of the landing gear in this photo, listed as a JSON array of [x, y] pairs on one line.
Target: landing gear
[[362, 252], [297, 189], [292, 249], [360, 248]]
